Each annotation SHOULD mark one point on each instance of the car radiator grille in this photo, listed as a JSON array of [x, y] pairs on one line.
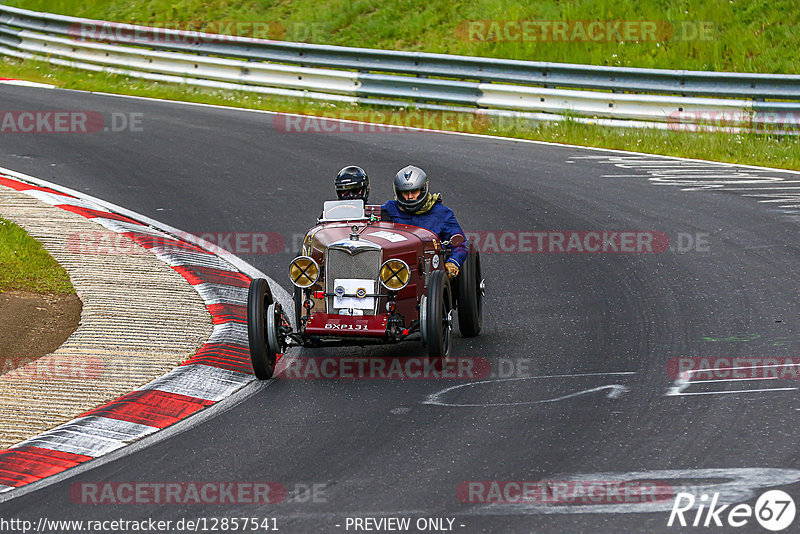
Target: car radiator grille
[[365, 264]]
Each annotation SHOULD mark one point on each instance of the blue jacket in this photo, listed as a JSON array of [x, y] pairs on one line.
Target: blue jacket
[[439, 219]]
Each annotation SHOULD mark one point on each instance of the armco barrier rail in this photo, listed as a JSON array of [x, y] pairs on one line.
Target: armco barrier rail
[[538, 90]]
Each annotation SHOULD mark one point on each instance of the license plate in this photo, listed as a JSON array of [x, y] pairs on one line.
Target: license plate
[[353, 286]]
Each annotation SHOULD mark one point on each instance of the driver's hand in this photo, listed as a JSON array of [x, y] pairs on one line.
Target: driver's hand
[[452, 269]]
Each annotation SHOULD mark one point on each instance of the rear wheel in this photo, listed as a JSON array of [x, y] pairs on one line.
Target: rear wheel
[[259, 301], [438, 315], [470, 295]]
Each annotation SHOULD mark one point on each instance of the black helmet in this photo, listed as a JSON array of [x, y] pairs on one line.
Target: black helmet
[[352, 183], [410, 178]]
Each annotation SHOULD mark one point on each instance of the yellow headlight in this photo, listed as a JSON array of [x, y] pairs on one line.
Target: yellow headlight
[[303, 271], [395, 274]]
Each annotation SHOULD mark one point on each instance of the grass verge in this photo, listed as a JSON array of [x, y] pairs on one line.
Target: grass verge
[[25, 265], [732, 35]]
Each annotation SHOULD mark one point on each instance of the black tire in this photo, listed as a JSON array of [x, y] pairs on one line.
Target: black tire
[[438, 315], [470, 295], [297, 297], [259, 299]]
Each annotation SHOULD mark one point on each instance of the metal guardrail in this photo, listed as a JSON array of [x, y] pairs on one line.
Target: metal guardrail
[[609, 95]]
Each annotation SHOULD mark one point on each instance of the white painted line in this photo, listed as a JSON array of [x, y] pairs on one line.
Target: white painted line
[[25, 83], [733, 485], [772, 199], [776, 188], [708, 170], [624, 175], [615, 390], [741, 367], [713, 380], [665, 165], [738, 177], [682, 394], [684, 381], [200, 381]]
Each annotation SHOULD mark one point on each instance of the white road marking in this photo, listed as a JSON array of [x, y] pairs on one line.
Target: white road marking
[[693, 175], [781, 199], [25, 83], [615, 390], [766, 188], [685, 380], [739, 485]]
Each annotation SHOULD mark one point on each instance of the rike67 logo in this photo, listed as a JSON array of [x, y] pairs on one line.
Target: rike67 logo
[[774, 511]]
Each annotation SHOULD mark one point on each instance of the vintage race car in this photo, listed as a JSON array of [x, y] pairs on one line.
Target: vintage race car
[[360, 280]]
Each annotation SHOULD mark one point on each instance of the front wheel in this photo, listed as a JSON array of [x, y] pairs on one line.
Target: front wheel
[[438, 315], [259, 302]]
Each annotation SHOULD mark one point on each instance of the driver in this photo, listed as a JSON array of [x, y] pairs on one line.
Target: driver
[[352, 183], [416, 206]]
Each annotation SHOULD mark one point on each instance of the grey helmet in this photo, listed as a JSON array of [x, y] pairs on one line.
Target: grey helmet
[[410, 178]]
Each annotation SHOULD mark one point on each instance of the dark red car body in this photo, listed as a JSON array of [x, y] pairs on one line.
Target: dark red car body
[[417, 247]]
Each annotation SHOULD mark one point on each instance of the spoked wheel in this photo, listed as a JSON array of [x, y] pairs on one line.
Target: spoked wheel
[[261, 327], [470, 295], [438, 316]]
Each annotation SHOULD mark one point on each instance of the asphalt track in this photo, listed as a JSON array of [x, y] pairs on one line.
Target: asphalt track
[[587, 337]]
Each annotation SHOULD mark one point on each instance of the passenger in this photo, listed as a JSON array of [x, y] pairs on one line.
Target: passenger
[[414, 204]]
